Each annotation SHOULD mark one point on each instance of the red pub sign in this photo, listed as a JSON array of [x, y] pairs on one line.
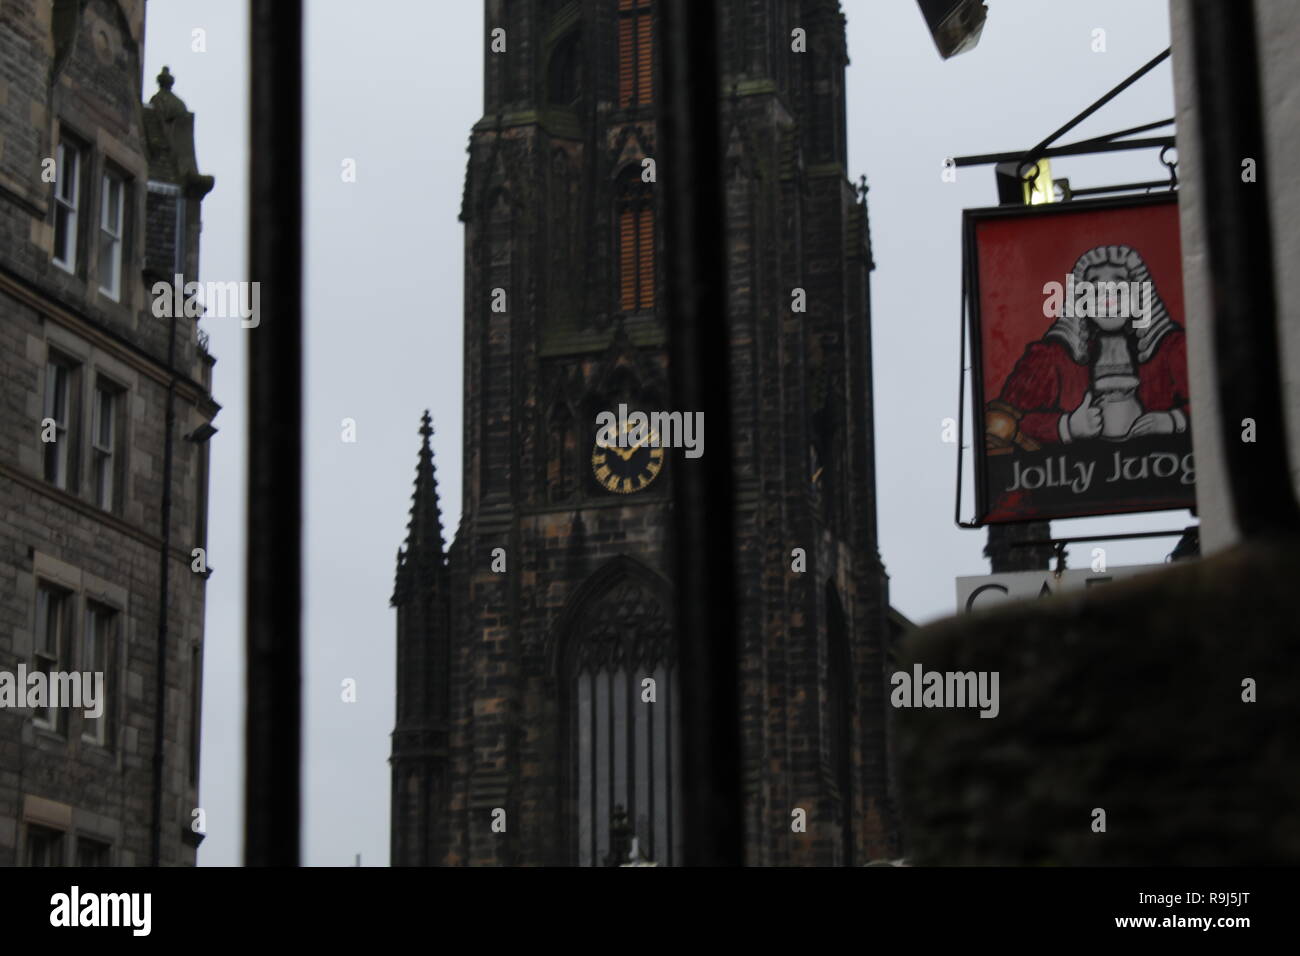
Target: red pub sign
[[1079, 359]]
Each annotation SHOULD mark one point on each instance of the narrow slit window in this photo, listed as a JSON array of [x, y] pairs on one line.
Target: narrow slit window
[[196, 711], [627, 260], [645, 258]]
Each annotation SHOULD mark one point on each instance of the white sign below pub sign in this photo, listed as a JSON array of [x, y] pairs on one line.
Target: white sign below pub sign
[[985, 590]]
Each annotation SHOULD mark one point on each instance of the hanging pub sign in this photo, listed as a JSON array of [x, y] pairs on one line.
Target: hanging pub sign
[[1079, 359]]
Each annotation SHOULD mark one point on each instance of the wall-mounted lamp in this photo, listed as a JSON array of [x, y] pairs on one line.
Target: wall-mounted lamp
[[955, 24]]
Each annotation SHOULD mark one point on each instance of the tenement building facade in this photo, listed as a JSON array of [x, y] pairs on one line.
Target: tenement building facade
[[106, 411], [537, 719]]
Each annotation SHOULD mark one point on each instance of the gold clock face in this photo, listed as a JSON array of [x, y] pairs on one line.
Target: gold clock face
[[627, 470]]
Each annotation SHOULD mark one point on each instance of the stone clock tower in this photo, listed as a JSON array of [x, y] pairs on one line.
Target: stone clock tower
[[537, 720]]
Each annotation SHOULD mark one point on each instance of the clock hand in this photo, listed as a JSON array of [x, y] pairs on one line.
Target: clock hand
[[625, 455], [651, 436]]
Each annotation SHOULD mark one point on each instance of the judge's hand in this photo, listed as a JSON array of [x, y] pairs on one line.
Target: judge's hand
[[1154, 423], [1085, 421]]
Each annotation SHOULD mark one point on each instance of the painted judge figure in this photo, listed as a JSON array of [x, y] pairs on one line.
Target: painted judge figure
[[1103, 370]]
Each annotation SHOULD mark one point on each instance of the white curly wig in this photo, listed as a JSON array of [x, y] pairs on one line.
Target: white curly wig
[[1075, 331]]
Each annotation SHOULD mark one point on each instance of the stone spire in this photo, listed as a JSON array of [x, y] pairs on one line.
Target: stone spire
[[422, 556]]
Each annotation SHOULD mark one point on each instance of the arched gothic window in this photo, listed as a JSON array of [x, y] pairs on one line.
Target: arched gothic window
[[623, 725], [635, 53], [635, 240], [564, 72], [561, 456]]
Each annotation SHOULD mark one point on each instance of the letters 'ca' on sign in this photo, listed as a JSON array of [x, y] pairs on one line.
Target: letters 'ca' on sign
[[977, 592], [1079, 359]]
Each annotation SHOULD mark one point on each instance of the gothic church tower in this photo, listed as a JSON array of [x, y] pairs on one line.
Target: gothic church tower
[[537, 721]]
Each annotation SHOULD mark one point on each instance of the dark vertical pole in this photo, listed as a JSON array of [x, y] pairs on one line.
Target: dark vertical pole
[[689, 170], [273, 586], [1240, 264]]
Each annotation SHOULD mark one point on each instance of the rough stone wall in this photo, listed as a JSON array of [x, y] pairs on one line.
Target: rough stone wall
[[91, 52]]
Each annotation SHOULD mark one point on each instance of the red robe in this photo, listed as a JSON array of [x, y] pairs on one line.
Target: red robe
[[1047, 383]]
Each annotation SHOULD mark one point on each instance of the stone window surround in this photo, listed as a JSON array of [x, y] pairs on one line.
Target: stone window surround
[[113, 230], [100, 155], [83, 588], [69, 144], [95, 365], [73, 823]]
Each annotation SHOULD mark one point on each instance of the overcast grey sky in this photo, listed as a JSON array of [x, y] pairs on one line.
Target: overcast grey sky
[[396, 85]]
